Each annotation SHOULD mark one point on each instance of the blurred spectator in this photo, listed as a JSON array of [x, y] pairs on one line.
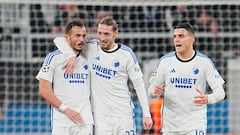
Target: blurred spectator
[[98, 16], [64, 14], [194, 15], [49, 12], [37, 21], [156, 18], [210, 22], [236, 51], [132, 19]]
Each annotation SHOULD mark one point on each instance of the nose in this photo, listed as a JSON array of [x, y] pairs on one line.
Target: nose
[[101, 37], [176, 39], [81, 38]]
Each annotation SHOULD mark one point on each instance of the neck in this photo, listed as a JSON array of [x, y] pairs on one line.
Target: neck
[[114, 46], [186, 56]]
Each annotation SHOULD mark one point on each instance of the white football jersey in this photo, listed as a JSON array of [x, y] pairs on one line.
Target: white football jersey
[[72, 90], [110, 72], [182, 78]]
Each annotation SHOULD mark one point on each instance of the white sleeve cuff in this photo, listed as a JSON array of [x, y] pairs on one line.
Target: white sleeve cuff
[[217, 95], [62, 107]]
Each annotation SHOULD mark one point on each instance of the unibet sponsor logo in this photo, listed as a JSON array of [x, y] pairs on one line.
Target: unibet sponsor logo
[[103, 72], [76, 77], [183, 82]]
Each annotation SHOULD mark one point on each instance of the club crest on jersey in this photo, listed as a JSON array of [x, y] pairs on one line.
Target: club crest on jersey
[[85, 66], [195, 71], [116, 63], [45, 68]]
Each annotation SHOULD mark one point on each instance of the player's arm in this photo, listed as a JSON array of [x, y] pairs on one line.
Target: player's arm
[[142, 97], [45, 91], [216, 82], [62, 44], [217, 95], [156, 86], [136, 77]]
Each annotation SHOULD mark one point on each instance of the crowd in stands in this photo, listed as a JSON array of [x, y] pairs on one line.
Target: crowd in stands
[[51, 18]]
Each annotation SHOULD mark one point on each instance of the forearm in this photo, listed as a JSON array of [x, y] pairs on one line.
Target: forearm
[[151, 91], [62, 44], [46, 92], [142, 96], [217, 95]]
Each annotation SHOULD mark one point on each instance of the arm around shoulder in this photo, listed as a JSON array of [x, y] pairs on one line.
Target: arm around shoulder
[[62, 44]]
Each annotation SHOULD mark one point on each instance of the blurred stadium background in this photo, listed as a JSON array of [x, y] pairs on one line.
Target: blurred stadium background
[[27, 28]]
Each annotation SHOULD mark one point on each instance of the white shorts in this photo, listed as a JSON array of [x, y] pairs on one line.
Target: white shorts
[[108, 125], [189, 132], [74, 130]]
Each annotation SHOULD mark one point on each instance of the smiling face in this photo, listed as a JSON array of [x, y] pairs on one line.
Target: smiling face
[[77, 38], [183, 42], [106, 36]]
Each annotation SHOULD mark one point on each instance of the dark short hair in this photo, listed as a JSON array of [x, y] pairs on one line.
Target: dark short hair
[[74, 22], [110, 22], [186, 26]]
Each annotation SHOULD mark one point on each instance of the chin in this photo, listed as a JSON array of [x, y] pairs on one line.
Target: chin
[[79, 50], [178, 49]]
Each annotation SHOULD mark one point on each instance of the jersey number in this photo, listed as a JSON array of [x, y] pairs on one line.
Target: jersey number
[[200, 132], [131, 132]]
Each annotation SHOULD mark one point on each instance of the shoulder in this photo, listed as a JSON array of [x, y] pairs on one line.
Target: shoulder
[[202, 55], [92, 45], [128, 51], [93, 42], [203, 58], [168, 56], [125, 48], [52, 56], [165, 58]]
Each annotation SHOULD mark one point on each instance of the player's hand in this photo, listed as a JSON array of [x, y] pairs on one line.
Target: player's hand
[[70, 65], [73, 115], [201, 99], [158, 90], [147, 123]]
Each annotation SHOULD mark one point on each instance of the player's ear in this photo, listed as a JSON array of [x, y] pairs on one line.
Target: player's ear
[[193, 40], [67, 37], [115, 34]]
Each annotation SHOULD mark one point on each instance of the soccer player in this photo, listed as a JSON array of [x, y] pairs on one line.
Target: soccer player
[[112, 64], [69, 95], [181, 76]]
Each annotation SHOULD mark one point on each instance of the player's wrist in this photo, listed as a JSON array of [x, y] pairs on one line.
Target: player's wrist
[[147, 115], [153, 95], [62, 107]]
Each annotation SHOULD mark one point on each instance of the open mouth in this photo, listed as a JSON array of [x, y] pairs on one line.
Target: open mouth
[[80, 44], [178, 45]]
